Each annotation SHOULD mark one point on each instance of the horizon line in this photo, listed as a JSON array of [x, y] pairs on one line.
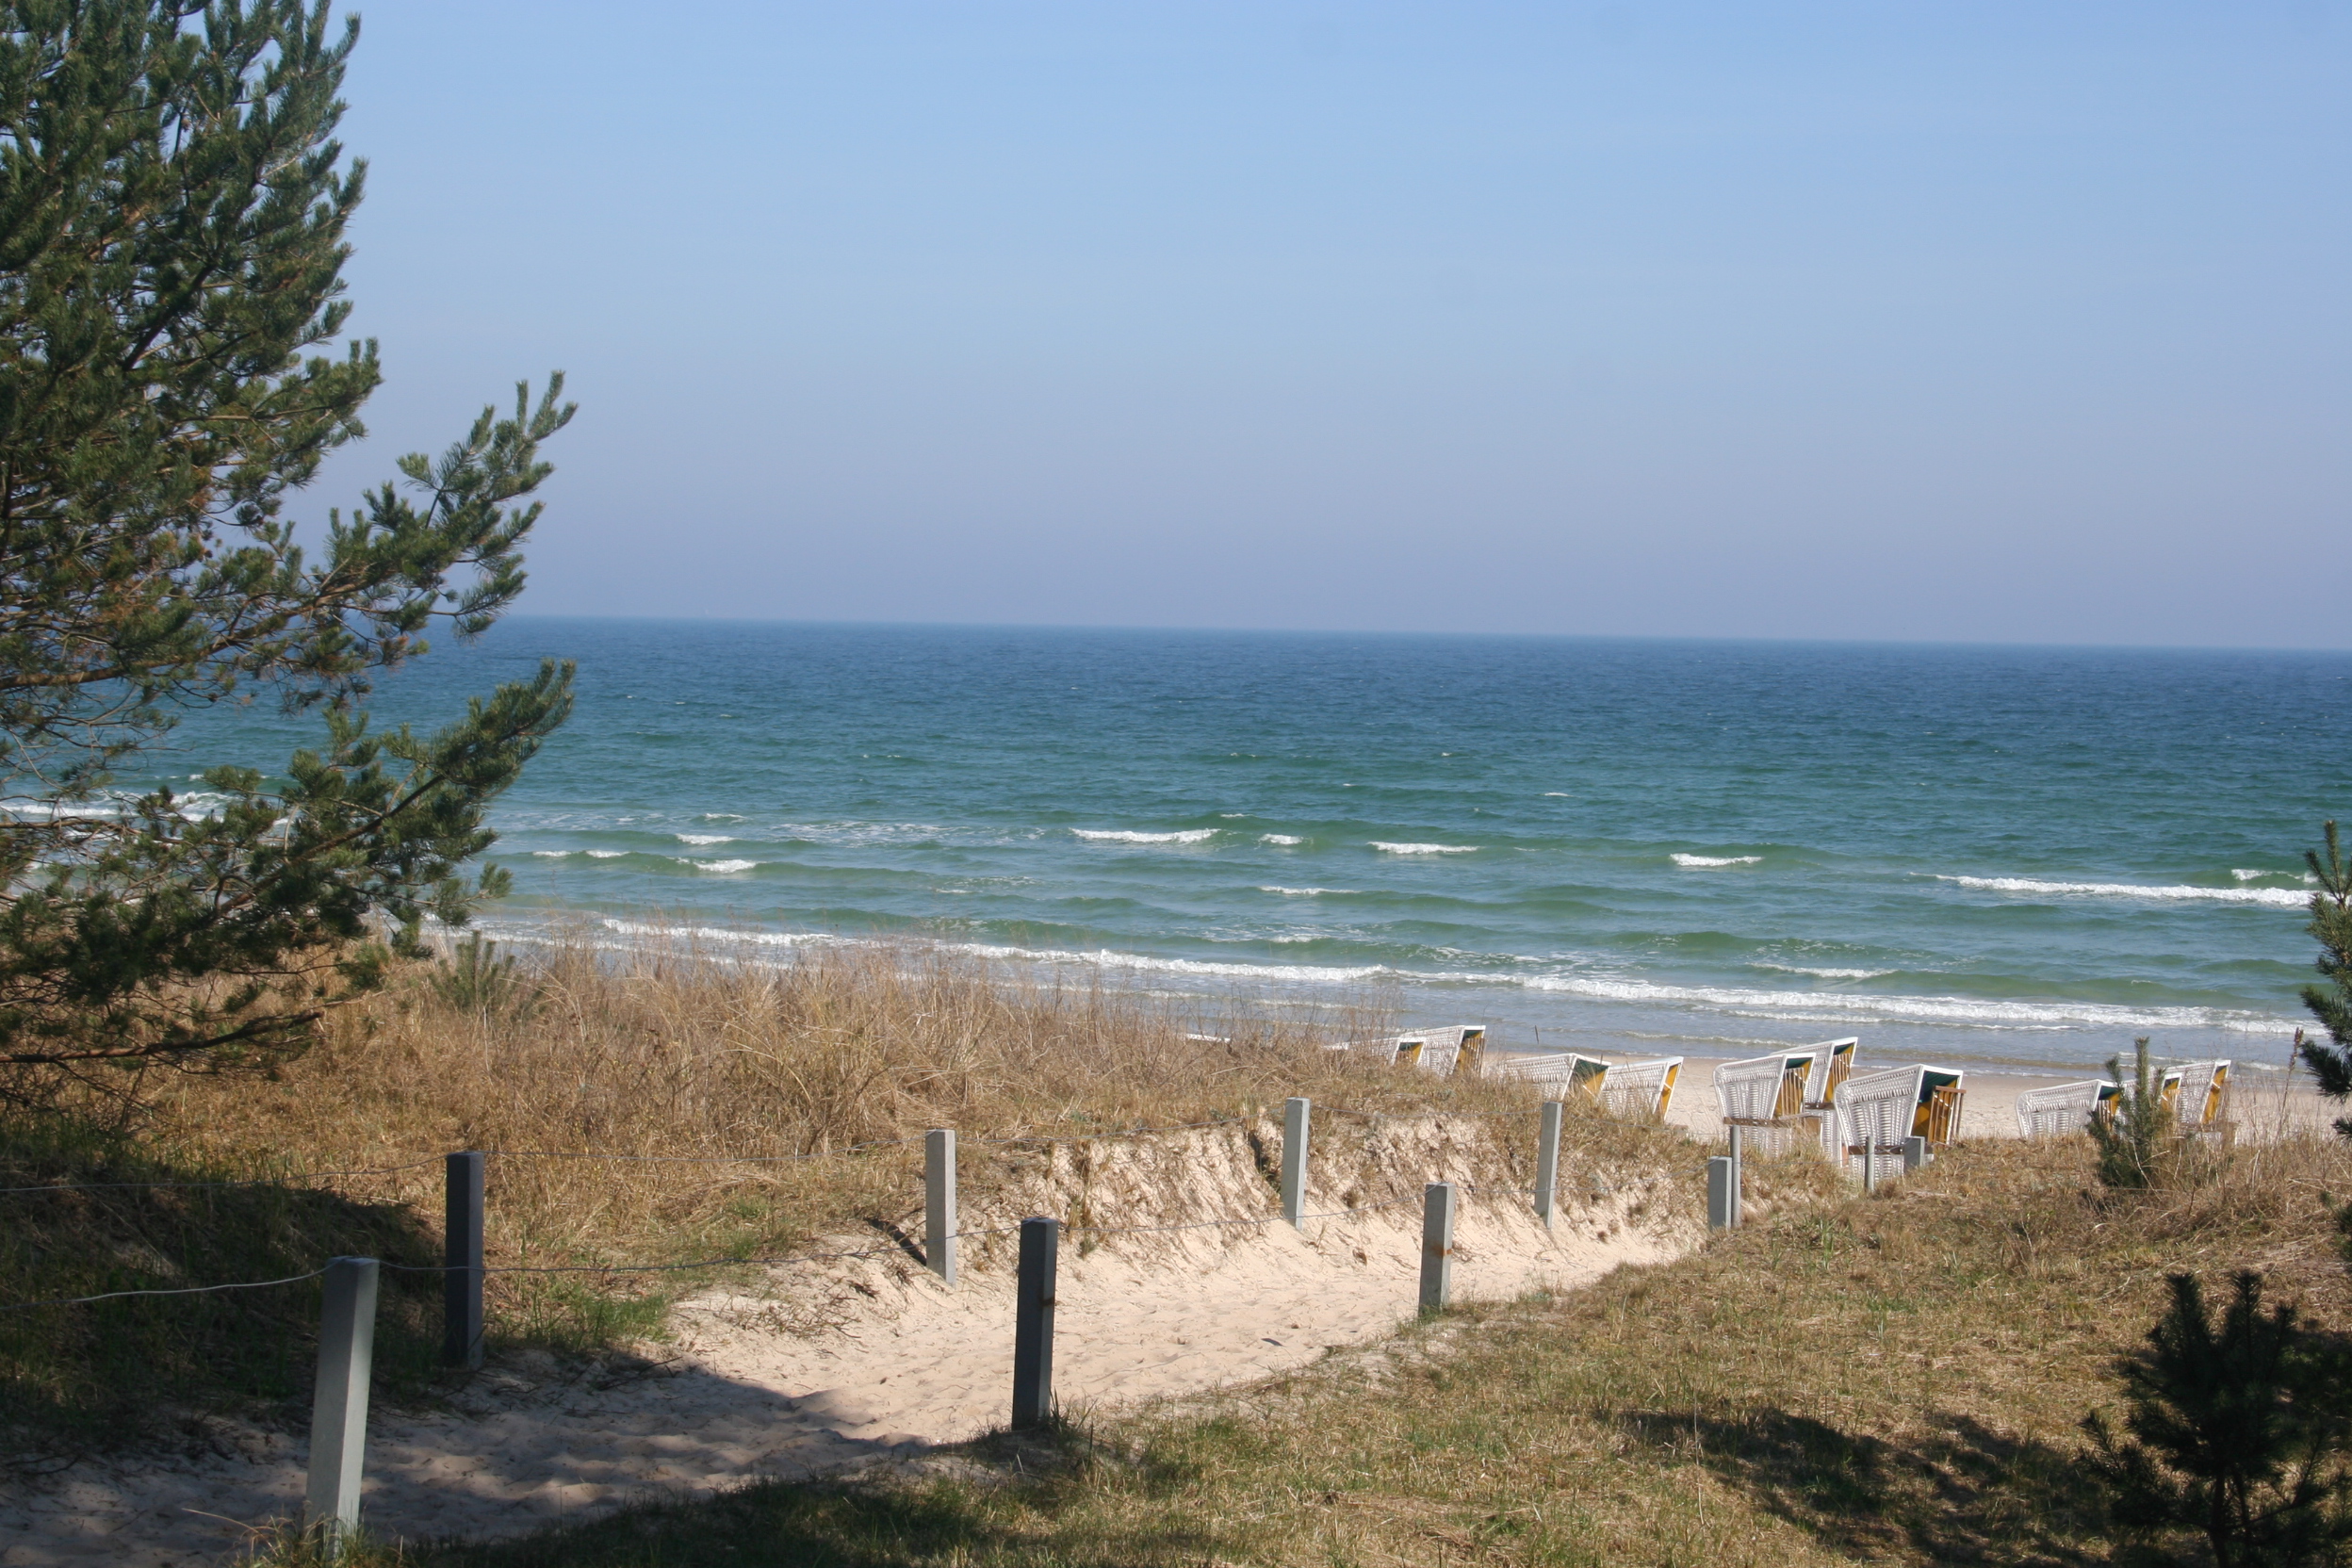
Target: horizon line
[[1422, 634]]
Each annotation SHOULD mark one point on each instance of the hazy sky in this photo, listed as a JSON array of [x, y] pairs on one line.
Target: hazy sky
[[1973, 321]]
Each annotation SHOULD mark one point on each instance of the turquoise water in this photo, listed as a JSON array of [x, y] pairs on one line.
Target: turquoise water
[[1982, 855]]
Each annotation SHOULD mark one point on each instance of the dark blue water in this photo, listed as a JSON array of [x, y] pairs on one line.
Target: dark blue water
[[2017, 855]]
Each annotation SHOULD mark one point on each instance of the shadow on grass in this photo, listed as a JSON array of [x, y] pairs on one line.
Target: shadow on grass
[[1016, 1498], [77, 1380], [1952, 1490]]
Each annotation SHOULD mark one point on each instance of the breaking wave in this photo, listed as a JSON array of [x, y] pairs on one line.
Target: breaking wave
[[2285, 898], [1122, 836]]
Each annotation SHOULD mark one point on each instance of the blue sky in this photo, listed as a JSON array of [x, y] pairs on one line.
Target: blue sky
[[1980, 322]]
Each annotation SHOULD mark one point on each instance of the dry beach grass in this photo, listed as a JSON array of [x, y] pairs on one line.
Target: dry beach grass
[[726, 1101], [1896, 1379]]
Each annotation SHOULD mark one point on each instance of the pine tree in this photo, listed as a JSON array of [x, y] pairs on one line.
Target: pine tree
[[2331, 925], [2238, 1431], [2134, 1134], [172, 213]]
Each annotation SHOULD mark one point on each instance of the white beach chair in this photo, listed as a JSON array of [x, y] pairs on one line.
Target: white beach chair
[[1382, 1051], [1639, 1091], [2196, 1092], [2059, 1109], [1457, 1046], [1763, 1091], [1554, 1072], [1765, 1095], [1833, 1063], [1879, 1110], [1438, 1050]]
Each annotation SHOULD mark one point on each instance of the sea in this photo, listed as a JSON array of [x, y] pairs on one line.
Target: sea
[[2006, 856]]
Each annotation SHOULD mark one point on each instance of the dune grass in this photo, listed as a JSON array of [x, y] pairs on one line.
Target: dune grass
[[773, 1076], [1896, 1379]]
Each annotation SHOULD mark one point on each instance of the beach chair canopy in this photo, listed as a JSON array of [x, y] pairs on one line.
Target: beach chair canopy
[[1437, 1050], [2195, 1092], [1551, 1070], [1763, 1089], [1833, 1063], [1382, 1051], [1878, 1110], [2058, 1109], [1440, 1050], [1641, 1090]]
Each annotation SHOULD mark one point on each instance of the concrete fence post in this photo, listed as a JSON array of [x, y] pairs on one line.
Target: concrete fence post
[[1916, 1154], [1722, 1187], [1870, 1163], [461, 1258], [1437, 1245], [938, 1203], [1032, 1322], [339, 1411], [1738, 1176], [1295, 1111], [1547, 1163]]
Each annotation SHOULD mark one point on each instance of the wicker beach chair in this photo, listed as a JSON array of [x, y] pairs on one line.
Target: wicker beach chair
[[1879, 1110], [1440, 1050], [2059, 1109], [1455, 1047], [1833, 1063], [1639, 1091], [1763, 1091], [1554, 1072], [2196, 1092], [1765, 1097]]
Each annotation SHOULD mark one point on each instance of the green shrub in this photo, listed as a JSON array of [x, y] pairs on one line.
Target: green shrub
[[2134, 1140], [2238, 1431]]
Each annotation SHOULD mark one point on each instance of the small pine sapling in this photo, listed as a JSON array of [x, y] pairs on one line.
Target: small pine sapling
[[2236, 1430], [2134, 1136], [2331, 1003]]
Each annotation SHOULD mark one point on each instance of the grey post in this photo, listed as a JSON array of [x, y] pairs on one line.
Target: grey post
[[1739, 1175], [1916, 1154], [1547, 1163], [338, 1411], [461, 1257], [1723, 1201], [1437, 1245], [1032, 1322], [1295, 1162], [938, 1203], [1870, 1162]]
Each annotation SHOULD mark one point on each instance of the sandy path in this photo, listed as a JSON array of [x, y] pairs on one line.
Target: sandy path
[[870, 1358]]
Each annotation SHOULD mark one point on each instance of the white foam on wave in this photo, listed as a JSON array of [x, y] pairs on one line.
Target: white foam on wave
[[1557, 795], [1301, 892], [1718, 859], [2282, 897], [553, 853], [2258, 876], [1122, 836], [606, 854], [1284, 840], [1962, 1010], [698, 840], [1823, 973], [1425, 849], [723, 868]]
